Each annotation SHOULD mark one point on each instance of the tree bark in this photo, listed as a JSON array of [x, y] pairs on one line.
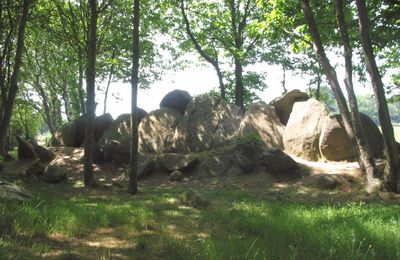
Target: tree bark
[[133, 162], [237, 31], [47, 112], [330, 73], [239, 88], [363, 147], [110, 75], [80, 87], [391, 176], [284, 80], [90, 102], [8, 106], [65, 97]]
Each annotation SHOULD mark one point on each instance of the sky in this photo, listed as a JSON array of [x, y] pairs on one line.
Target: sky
[[197, 80]]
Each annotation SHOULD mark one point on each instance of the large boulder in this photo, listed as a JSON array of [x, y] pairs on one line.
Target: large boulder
[[101, 123], [73, 133], [80, 130], [173, 161], [276, 162], [177, 100], [335, 145], [64, 136], [209, 122], [54, 173], [147, 164], [212, 165], [374, 135], [11, 191], [262, 119], [284, 104], [44, 154], [25, 149], [115, 141], [302, 132], [156, 130]]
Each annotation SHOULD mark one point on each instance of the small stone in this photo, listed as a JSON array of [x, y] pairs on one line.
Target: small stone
[[176, 176], [194, 199], [329, 182], [35, 169], [54, 174]]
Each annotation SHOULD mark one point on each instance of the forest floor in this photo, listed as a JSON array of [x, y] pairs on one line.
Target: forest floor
[[255, 216]]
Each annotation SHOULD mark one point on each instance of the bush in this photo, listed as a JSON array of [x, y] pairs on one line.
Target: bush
[[252, 139]]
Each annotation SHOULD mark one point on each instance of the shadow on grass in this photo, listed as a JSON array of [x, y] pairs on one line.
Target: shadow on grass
[[69, 222]]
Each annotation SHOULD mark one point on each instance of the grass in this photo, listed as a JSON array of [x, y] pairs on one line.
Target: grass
[[156, 225]]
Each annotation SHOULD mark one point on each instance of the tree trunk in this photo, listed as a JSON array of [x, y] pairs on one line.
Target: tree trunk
[[65, 96], [284, 80], [393, 168], [332, 79], [8, 106], [90, 102], [2, 80], [133, 162], [319, 81], [364, 151], [213, 61], [110, 75], [47, 112], [221, 81], [81, 93], [239, 88]]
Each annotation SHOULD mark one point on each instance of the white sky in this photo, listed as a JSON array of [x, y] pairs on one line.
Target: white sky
[[197, 80]]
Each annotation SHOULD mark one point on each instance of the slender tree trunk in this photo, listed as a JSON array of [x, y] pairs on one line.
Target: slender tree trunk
[[239, 88], [133, 163], [222, 90], [110, 75], [81, 93], [65, 96], [2, 80], [364, 151], [393, 167], [213, 61], [284, 80], [8, 106], [332, 78], [90, 102], [47, 112], [319, 81]]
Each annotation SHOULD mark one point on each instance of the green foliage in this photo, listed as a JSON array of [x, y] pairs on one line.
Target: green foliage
[[366, 104], [251, 139], [325, 96], [253, 83], [25, 120]]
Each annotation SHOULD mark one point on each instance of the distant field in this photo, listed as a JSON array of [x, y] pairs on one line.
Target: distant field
[[396, 128]]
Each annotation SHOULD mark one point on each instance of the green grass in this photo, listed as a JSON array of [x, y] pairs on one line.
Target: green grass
[[237, 226]]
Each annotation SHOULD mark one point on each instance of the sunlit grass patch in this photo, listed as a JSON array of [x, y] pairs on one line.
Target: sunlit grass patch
[[237, 225], [270, 230]]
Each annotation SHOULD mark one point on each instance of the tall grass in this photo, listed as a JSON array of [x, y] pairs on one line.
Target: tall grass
[[237, 226]]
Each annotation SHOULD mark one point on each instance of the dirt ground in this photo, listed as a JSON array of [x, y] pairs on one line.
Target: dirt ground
[[318, 181]]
